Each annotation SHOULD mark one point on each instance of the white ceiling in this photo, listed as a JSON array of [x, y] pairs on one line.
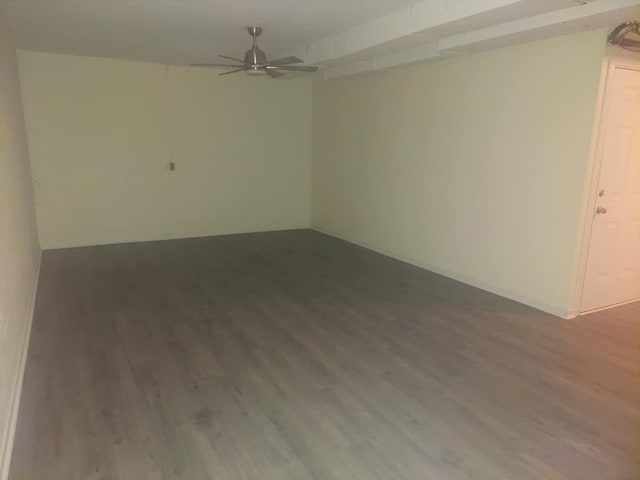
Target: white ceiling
[[347, 36], [181, 31]]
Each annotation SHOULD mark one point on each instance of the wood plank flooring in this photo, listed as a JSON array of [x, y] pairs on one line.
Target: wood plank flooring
[[296, 356]]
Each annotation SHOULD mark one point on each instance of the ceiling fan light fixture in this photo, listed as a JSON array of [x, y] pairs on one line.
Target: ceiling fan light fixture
[[255, 72]]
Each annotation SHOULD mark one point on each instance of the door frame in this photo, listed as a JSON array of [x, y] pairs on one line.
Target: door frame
[[614, 58]]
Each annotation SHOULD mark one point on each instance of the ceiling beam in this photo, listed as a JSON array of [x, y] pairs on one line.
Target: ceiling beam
[[571, 20], [431, 29]]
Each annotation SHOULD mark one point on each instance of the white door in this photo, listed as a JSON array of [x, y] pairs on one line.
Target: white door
[[613, 265]]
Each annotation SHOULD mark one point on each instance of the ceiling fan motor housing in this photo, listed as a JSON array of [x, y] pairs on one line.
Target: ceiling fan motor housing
[[255, 57]]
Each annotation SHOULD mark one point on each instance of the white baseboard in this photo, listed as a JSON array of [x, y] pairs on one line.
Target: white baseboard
[[572, 313], [555, 311], [608, 307], [7, 448]]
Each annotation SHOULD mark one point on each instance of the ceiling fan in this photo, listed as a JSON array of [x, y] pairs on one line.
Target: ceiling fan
[[255, 61], [627, 36]]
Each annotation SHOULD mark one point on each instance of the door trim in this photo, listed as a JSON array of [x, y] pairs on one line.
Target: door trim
[[613, 60]]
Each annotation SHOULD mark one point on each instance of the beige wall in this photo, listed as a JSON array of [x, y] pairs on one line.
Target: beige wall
[[472, 167], [101, 133], [19, 250]]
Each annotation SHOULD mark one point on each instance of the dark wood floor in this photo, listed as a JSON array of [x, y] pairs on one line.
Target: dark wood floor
[[295, 356]]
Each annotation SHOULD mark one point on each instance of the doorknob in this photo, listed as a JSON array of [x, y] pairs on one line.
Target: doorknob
[[601, 210]]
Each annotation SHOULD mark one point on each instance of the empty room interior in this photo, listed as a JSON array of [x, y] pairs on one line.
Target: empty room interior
[[320, 240]]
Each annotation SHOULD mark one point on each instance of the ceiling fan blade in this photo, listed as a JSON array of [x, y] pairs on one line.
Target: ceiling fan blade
[[216, 65], [232, 58], [284, 61], [231, 71], [298, 68], [274, 73], [628, 43]]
